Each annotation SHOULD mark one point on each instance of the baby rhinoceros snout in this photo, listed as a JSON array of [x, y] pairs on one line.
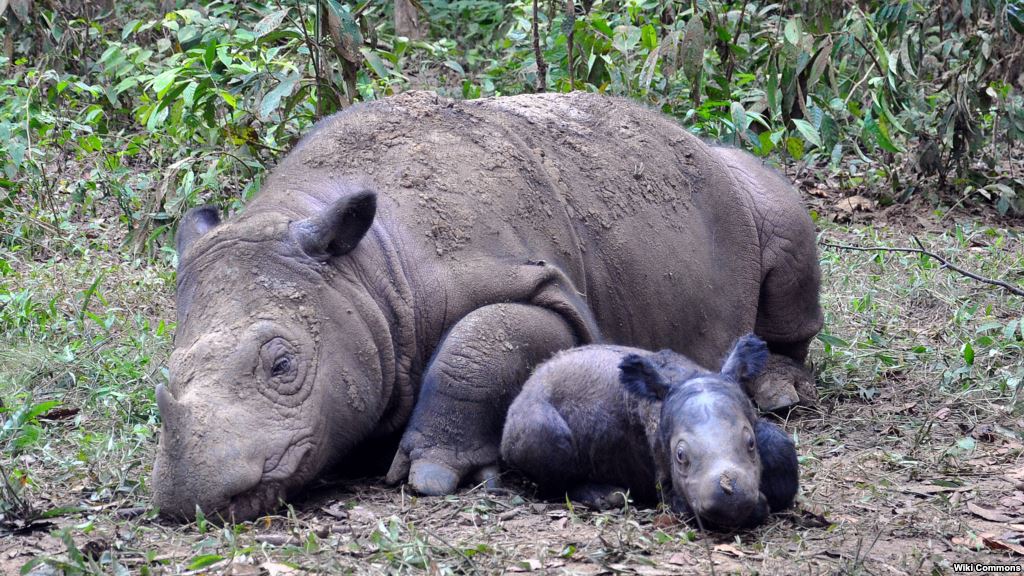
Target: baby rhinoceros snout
[[729, 498]]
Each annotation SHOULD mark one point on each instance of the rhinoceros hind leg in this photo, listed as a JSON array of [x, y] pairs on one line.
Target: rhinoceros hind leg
[[783, 383], [478, 370]]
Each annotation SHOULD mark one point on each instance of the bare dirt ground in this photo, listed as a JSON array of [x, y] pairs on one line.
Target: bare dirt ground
[[910, 463]]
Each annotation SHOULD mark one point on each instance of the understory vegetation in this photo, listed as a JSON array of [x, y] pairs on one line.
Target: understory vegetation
[[895, 118]]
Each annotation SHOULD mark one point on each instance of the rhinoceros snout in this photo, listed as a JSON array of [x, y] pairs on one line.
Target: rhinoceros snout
[[201, 462], [728, 497]]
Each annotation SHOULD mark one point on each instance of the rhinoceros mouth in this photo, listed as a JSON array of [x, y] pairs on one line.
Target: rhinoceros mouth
[[251, 503], [267, 495]]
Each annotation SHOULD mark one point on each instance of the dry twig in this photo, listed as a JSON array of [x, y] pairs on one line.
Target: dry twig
[[945, 263]]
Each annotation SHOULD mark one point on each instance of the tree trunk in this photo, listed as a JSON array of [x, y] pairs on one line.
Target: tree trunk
[[407, 20]]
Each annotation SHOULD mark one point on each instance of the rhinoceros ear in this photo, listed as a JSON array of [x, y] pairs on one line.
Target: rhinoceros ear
[[746, 360], [339, 228], [197, 221], [642, 378]]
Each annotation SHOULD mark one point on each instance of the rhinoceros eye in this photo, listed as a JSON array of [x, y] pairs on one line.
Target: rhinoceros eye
[[284, 369], [281, 366]]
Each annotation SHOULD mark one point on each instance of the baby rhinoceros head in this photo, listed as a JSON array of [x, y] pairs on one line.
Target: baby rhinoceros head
[[723, 463]]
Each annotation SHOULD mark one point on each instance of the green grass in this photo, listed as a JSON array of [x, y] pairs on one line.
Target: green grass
[[903, 405]]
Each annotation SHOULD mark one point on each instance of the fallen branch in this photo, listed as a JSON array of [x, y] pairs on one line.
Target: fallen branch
[[921, 250]]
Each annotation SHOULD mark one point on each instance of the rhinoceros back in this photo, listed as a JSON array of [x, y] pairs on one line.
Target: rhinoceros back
[[642, 216]]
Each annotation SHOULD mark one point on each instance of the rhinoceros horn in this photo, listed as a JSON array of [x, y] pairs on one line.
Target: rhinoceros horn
[[170, 409]]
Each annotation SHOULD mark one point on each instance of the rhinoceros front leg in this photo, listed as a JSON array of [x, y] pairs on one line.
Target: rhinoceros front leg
[[789, 315], [455, 429]]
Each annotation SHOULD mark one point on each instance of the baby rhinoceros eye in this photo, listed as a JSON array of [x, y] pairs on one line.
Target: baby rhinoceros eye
[[751, 444], [681, 456]]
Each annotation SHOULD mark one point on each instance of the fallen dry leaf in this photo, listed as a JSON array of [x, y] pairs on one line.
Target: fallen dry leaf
[[930, 489], [509, 514], [1010, 541], [1012, 502], [988, 513], [528, 565], [680, 559], [856, 203], [361, 515], [970, 541], [277, 539], [641, 569], [584, 569], [652, 571], [729, 549], [243, 570], [59, 413], [664, 520], [276, 569], [811, 517], [336, 510]]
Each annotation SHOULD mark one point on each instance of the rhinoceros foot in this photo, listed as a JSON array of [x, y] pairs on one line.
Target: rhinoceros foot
[[599, 496], [433, 478], [783, 383]]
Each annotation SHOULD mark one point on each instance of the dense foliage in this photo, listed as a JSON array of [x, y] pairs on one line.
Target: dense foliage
[[148, 111]]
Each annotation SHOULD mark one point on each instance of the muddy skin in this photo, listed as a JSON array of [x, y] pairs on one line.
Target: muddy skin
[[596, 421], [412, 260]]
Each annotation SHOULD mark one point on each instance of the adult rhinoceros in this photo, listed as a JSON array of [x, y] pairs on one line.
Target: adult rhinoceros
[[412, 259]]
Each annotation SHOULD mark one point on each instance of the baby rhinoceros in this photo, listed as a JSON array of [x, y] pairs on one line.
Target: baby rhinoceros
[[597, 420]]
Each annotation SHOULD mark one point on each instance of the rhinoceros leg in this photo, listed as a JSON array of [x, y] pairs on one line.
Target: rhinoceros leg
[[788, 310], [789, 316], [478, 370]]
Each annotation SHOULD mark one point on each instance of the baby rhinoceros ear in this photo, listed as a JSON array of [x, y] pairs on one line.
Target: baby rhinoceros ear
[[338, 229], [747, 359], [642, 378]]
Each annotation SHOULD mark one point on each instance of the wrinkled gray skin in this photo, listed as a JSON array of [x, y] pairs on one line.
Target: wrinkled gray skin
[[412, 259], [596, 421]]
